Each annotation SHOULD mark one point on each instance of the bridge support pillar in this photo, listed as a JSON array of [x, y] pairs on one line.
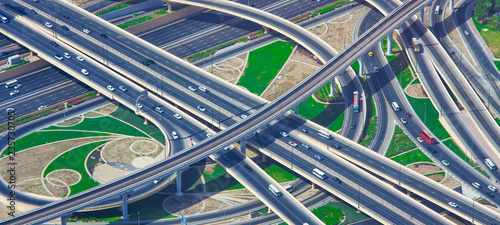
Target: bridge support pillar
[[264, 157], [32, 53], [63, 220], [296, 109], [452, 4], [313, 186], [146, 121], [266, 29], [178, 182], [408, 193], [332, 87], [243, 146], [269, 210], [169, 4], [360, 66], [125, 206], [389, 44]]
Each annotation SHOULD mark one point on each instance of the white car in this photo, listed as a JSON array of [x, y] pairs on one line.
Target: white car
[[14, 92], [67, 55], [58, 57], [446, 163], [49, 25], [476, 185], [492, 188], [284, 134], [174, 135], [243, 116], [419, 139], [203, 88], [111, 88], [8, 110], [306, 145], [85, 72], [201, 108], [318, 157], [177, 116], [139, 105], [158, 109], [158, 181], [226, 148], [124, 89], [79, 58], [452, 204], [293, 144], [209, 135], [18, 86], [375, 69], [87, 31], [466, 32], [192, 88], [42, 107], [403, 120]]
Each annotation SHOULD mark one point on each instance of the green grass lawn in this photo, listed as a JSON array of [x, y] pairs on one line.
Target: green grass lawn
[[355, 66], [497, 64], [143, 19], [370, 132], [149, 208], [328, 214], [40, 138], [416, 81], [395, 46], [400, 142], [401, 69], [498, 121], [454, 147], [129, 116], [278, 172], [431, 119], [114, 9], [491, 37], [331, 116], [103, 124], [440, 172], [75, 160], [264, 64], [411, 157], [191, 181]]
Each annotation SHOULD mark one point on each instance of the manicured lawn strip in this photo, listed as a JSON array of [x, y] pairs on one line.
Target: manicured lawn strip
[[264, 64], [75, 160], [478, 168], [104, 124], [337, 123], [440, 172], [114, 9], [326, 115], [218, 171], [416, 81], [497, 64], [400, 142], [129, 116], [370, 132], [150, 208], [454, 148], [411, 157], [355, 66], [328, 214], [401, 69], [395, 46], [278, 173], [498, 121], [491, 37], [191, 181], [431, 121], [143, 19], [39, 138]]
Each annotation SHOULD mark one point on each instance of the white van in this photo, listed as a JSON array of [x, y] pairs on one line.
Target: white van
[[395, 106]]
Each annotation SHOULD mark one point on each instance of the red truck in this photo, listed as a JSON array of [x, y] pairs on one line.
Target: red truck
[[426, 135]]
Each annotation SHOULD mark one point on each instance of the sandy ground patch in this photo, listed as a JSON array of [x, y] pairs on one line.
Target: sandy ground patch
[[424, 168], [144, 147], [293, 72], [229, 70], [306, 194], [35, 186], [450, 182], [69, 177], [119, 150], [80, 2], [92, 115], [416, 91], [27, 168], [4, 212], [436, 177], [70, 122], [187, 204], [212, 205], [108, 109], [105, 173]]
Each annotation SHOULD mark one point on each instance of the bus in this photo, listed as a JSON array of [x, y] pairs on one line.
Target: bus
[[436, 11], [490, 164], [11, 83], [275, 190], [324, 134], [415, 44], [355, 102], [426, 135], [395, 106], [320, 174]]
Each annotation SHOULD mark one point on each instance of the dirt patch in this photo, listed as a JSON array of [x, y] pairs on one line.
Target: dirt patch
[[92, 115], [33, 186], [416, 91], [187, 204], [145, 147], [450, 182], [318, 30], [424, 168], [70, 122], [57, 188], [80, 2], [436, 177], [106, 110], [27, 168], [294, 72], [119, 150], [105, 173], [213, 205], [230, 69], [69, 177], [4, 212]]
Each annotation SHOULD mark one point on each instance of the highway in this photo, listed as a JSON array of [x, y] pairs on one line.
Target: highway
[[237, 131]]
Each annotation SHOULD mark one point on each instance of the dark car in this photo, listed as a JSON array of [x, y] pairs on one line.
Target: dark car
[[248, 168], [303, 130], [104, 36], [408, 114], [353, 126], [145, 63], [3, 53], [226, 158], [431, 149], [54, 44], [490, 194], [66, 16], [337, 180], [150, 61], [33, 12], [65, 28]]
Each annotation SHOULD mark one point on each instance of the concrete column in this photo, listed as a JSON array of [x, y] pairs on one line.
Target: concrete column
[[146, 121], [178, 182], [408, 193], [332, 87], [264, 157], [389, 44], [32, 53], [125, 206], [313, 186], [422, 14], [296, 109], [266, 29], [360, 66], [243, 146], [169, 4], [269, 210], [452, 4], [63, 220]]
